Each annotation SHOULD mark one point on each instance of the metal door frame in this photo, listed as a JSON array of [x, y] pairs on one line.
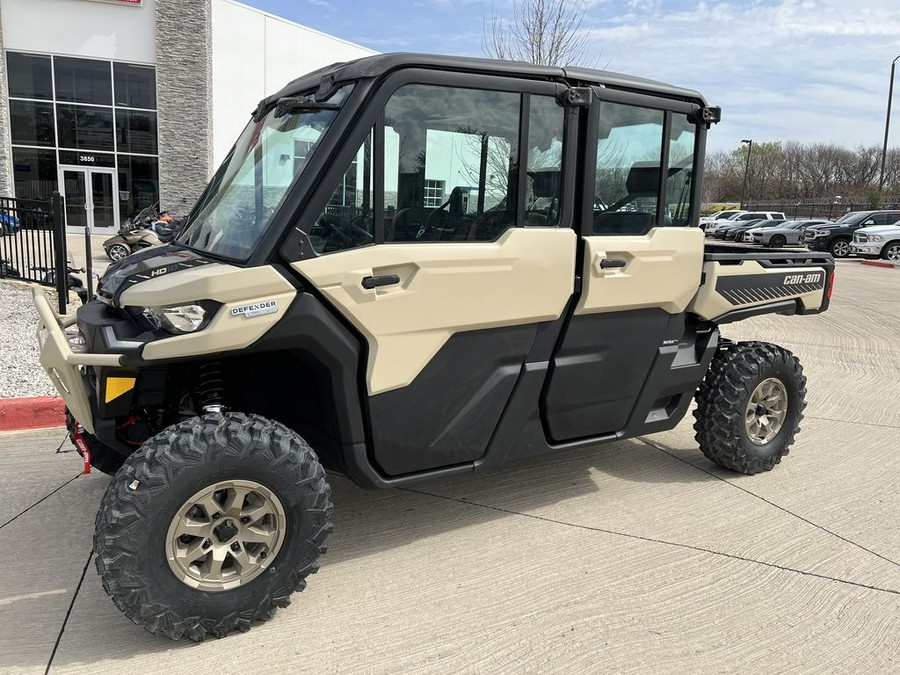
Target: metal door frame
[[88, 190]]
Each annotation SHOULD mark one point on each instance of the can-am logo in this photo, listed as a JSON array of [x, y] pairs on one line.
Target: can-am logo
[[256, 309], [794, 279]]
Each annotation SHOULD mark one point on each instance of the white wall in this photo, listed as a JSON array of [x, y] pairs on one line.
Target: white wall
[[254, 55], [81, 28]]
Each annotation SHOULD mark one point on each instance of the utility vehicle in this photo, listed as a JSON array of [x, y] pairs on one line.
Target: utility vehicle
[[410, 266]]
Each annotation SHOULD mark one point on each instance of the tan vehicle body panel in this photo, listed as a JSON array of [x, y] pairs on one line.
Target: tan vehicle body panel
[[232, 286], [662, 269], [710, 303], [526, 276]]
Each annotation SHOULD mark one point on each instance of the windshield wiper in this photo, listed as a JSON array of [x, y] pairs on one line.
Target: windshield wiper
[[294, 104]]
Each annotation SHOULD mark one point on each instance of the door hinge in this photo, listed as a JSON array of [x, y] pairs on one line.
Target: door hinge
[[577, 97]]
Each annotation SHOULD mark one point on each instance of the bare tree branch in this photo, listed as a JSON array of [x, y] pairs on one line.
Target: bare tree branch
[[543, 32]]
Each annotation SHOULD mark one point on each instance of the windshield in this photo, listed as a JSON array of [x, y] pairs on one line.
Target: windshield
[[852, 218], [237, 207]]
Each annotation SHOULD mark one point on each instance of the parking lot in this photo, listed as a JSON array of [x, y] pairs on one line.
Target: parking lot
[[640, 556]]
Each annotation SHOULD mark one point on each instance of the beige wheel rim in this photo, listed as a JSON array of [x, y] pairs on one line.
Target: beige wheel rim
[[226, 535], [766, 411]]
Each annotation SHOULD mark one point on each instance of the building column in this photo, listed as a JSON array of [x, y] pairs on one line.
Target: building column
[[184, 101], [6, 168]]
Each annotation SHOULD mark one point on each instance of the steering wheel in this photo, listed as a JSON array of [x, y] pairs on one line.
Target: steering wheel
[[348, 234]]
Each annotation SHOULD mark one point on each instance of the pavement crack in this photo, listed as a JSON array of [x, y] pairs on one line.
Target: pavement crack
[[865, 424], [47, 496], [62, 628], [664, 450], [652, 540]]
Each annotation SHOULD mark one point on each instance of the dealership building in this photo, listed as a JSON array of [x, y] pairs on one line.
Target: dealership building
[[118, 104]]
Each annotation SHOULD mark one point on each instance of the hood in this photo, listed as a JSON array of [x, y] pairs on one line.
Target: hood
[[880, 229], [143, 265]]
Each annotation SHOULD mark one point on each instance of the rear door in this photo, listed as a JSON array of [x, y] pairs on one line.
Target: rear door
[[444, 255], [640, 262]]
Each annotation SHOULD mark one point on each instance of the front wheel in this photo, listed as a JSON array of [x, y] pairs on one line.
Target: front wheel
[[840, 248], [777, 241], [212, 525], [749, 406], [117, 251], [891, 251]]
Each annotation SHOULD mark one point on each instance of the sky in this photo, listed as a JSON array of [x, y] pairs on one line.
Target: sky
[[814, 71]]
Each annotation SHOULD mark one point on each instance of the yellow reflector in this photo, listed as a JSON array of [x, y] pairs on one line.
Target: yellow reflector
[[116, 386]]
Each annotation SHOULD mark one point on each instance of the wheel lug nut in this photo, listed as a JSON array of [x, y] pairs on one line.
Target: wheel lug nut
[[245, 520], [207, 543], [235, 546], [216, 516]]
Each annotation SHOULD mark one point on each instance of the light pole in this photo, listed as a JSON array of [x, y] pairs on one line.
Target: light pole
[[887, 122], [749, 144]]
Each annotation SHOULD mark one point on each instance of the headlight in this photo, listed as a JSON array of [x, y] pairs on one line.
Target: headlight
[[876, 237], [178, 318]]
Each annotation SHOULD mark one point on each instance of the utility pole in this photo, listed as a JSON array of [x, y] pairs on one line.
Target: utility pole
[[749, 144], [887, 122]]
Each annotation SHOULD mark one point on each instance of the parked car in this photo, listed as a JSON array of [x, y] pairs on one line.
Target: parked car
[[736, 233], [878, 241], [747, 215], [8, 224], [717, 218], [787, 233], [836, 237]]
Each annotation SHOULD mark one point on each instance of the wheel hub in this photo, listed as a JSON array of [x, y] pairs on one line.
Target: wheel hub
[[225, 535], [766, 411]]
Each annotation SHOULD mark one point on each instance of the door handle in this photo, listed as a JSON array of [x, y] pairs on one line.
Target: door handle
[[612, 263], [375, 282]]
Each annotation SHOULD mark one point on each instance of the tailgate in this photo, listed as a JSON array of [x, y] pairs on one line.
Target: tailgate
[[736, 285]]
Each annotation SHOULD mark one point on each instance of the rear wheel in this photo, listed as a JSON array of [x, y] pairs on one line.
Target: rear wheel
[[749, 406], [840, 248], [777, 241], [212, 525], [891, 251]]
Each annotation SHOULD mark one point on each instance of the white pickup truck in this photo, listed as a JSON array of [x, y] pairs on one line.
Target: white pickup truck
[[877, 241]]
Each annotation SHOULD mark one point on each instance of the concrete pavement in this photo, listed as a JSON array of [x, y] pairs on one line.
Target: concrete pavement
[[633, 557]]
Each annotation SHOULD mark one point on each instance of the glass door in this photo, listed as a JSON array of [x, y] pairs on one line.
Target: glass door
[[103, 201], [90, 198], [76, 197]]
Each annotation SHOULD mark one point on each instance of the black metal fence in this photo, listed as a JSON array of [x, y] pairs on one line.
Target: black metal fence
[[808, 210], [33, 243]]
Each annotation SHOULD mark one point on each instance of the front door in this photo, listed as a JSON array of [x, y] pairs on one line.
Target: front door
[[90, 196], [445, 257]]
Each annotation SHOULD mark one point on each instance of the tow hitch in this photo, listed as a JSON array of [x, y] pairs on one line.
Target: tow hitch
[[82, 446]]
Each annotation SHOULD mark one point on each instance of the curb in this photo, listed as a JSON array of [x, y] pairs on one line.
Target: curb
[[881, 263], [18, 414]]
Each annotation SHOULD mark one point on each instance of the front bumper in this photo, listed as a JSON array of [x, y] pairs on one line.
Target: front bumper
[[62, 364], [866, 250], [817, 244]]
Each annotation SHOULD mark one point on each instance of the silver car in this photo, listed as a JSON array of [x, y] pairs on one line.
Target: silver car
[[787, 233]]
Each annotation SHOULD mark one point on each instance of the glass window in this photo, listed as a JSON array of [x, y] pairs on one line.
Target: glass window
[[138, 184], [546, 121], [235, 210], [34, 173], [434, 193], [31, 123], [135, 86], [83, 128], [681, 170], [29, 76], [348, 220], [83, 81], [629, 151], [136, 131], [465, 138]]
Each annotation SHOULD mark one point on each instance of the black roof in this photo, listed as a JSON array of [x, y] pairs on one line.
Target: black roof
[[381, 64]]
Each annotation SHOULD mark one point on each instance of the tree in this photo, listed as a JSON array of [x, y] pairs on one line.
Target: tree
[[543, 32]]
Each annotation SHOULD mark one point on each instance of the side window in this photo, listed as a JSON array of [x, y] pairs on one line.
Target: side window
[[629, 151], [347, 220], [546, 121], [451, 162], [679, 185]]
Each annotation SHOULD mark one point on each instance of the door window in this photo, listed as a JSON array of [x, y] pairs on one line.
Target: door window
[[466, 139], [76, 198], [679, 186], [544, 161], [629, 152]]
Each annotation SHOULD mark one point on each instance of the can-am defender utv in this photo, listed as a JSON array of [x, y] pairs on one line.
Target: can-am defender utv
[[410, 266]]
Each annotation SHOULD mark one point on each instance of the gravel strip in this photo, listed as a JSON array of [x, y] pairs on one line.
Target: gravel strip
[[21, 374]]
